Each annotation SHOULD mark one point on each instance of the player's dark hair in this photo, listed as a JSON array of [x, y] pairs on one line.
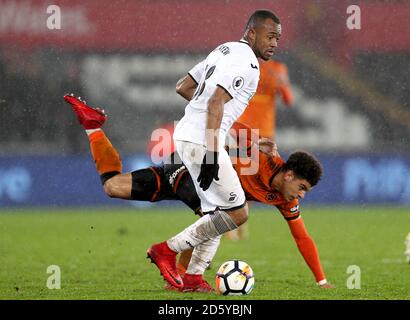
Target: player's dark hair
[[259, 16], [305, 166]]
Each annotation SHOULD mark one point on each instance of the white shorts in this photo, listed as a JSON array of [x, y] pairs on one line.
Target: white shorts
[[227, 192]]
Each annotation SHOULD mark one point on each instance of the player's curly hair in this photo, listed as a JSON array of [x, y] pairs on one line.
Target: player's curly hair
[[304, 166]]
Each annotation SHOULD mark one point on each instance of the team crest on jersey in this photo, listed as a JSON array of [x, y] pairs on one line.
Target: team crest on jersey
[[270, 197], [295, 209], [237, 83]]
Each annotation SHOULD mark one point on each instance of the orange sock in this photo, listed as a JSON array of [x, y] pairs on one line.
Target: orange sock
[[107, 159]]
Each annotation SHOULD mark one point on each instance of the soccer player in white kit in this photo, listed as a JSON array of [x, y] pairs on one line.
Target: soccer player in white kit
[[218, 90]]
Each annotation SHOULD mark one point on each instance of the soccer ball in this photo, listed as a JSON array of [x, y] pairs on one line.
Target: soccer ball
[[234, 278]]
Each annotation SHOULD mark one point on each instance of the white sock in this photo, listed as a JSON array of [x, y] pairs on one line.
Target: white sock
[[202, 256], [207, 227], [89, 131]]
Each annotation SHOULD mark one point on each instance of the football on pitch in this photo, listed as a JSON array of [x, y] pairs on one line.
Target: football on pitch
[[234, 278]]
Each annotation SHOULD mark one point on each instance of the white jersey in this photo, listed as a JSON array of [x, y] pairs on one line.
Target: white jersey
[[232, 66]]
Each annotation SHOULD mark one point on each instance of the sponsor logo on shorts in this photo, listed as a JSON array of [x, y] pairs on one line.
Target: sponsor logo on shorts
[[175, 174]]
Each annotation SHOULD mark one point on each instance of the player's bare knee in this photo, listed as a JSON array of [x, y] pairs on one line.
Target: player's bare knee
[[110, 187]]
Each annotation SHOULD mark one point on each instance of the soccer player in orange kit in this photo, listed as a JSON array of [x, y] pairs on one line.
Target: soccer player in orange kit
[[261, 111], [275, 183]]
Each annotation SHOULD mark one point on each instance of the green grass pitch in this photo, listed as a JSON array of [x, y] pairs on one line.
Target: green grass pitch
[[102, 253]]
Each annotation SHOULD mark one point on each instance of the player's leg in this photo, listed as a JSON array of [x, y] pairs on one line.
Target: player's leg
[[201, 259], [106, 157], [226, 193], [240, 233], [143, 185], [204, 236], [107, 160], [183, 261], [183, 188], [243, 231], [181, 184]]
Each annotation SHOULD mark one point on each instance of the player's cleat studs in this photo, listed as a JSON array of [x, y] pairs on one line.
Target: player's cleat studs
[[89, 118]]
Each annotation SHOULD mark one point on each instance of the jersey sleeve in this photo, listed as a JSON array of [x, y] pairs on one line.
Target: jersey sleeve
[[197, 71], [283, 84], [307, 248], [233, 76], [290, 210]]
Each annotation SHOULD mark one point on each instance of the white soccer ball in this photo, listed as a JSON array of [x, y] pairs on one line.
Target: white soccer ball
[[234, 278]]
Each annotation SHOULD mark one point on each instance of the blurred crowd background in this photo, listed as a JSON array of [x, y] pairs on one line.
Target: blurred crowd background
[[351, 86]]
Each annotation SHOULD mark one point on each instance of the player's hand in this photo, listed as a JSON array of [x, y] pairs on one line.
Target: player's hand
[[209, 170], [268, 146], [327, 286]]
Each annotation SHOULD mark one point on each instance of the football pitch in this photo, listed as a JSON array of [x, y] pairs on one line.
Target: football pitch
[[101, 253]]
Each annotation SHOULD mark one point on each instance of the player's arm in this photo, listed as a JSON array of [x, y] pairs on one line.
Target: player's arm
[[186, 87], [308, 250], [215, 113], [242, 137], [284, 86], [209, 166], [287, 95], [268, 146]]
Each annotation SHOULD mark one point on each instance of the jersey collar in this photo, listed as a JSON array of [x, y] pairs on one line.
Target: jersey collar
[[244, 41]]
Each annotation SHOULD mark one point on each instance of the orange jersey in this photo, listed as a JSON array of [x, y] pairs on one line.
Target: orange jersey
[[258, 187], [260, 113]]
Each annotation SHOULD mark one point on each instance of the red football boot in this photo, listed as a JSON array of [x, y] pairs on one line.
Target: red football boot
[[89, 118], [165, 259], [170, 287], [195, 283], [181, 270]]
